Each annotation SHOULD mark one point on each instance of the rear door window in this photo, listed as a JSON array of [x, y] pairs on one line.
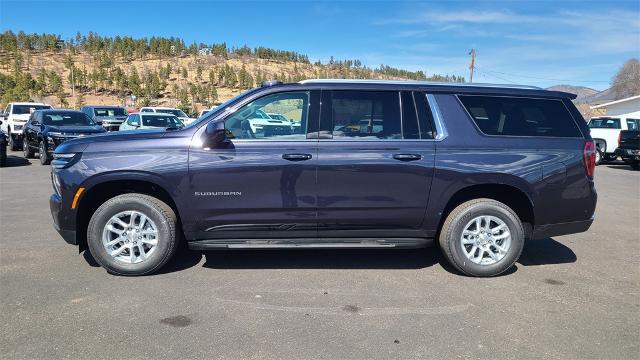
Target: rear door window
[[363, 115], [514, 116]]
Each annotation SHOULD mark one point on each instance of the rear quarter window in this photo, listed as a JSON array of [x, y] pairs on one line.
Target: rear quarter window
[[514, 116]]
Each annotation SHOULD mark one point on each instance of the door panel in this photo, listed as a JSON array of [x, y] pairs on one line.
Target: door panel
[[262, 185], [375, 171], [363, 191]]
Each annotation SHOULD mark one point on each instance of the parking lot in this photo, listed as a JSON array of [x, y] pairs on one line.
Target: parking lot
[[574, 296]]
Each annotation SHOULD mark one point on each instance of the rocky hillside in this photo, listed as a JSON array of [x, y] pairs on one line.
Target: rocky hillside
[[158, 71]]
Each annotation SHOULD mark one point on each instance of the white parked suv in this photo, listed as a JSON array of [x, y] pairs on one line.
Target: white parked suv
[[167, 110], [14, 117], [605, 131]]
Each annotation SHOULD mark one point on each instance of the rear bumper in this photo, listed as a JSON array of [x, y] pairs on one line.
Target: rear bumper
[[628, 154], [61, 220], [549, 230]]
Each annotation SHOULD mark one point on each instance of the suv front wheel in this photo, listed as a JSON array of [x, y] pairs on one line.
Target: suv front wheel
[[482, 237], [133, 234]]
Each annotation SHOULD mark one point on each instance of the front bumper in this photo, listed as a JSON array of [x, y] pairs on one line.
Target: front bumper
[[62, 219], [17, 128], [111, 125]]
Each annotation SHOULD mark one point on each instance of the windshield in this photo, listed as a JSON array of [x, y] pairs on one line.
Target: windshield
[[110, 112], [28, 109], [66, 119], [604, 123], [176, 112], [163, 121]]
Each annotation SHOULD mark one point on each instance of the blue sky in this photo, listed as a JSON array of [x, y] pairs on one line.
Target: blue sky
[[530, 42]]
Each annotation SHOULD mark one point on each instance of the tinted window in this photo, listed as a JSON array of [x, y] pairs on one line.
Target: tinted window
[[366, 115], [176, 112], [252, 122], [110, 111], [604, 123], [28, 109], [520, 116], [633, 124], [132, 118], [66, 119], [161, 121]]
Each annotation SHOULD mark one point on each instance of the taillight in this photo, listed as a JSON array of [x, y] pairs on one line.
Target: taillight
[[619, 137], [589, 157]]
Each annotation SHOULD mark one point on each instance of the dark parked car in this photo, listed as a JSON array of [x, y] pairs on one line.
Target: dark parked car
[[479, 168], [629, 145], [47, 129], [110, 117], [4, 141]]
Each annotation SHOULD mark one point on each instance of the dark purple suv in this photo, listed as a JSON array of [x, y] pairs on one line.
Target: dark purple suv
[[355, 164]]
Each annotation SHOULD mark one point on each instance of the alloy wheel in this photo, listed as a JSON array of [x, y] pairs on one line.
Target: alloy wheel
[[130, 237], [485, 240]]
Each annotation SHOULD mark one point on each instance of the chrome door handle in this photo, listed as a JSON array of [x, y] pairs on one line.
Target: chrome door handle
[[407, 157], [296, 157]]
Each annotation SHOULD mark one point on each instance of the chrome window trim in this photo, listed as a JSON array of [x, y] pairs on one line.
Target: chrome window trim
[[441, 129]]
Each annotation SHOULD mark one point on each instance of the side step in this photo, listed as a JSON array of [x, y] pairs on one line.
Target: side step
[[310, 243]]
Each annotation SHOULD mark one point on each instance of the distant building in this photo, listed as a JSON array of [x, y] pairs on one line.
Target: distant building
[[204, 51], [626, 108]]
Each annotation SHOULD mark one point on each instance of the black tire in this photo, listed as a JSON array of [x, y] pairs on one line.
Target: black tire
[[13, 144], [451, 233], [3, 155], [26, 151], [45, 157], [635, 164], [159, 212], [610, 157], [598, 156]]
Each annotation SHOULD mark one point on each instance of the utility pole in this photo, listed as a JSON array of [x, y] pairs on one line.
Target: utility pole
[[473, 64], [73, 85]]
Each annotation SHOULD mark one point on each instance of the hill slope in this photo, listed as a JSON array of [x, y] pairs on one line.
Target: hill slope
[[158, 71], [581, 91]]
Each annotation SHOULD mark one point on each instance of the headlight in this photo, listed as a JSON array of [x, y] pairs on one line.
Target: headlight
[[61, 161], [56, 182]]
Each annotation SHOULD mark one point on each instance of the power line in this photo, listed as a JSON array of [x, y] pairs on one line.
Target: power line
[[541, 78]]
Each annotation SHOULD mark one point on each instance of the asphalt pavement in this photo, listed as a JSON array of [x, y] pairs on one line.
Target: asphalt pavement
[[575, 296]]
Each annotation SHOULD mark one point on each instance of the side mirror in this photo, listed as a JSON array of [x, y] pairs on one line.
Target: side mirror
[[216, 136], [135, 123]]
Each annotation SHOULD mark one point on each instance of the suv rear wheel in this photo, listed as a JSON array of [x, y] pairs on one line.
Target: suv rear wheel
[[482, 237], [133, 234]]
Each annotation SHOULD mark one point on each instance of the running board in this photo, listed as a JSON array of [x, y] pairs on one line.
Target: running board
[[312, 243]]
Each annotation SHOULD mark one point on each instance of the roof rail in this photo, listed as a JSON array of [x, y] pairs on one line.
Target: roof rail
[[416, 82], [267, 83]]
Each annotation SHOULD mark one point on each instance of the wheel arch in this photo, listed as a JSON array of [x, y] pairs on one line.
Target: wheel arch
[[518, 200], [107, 187], [599, 142]]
